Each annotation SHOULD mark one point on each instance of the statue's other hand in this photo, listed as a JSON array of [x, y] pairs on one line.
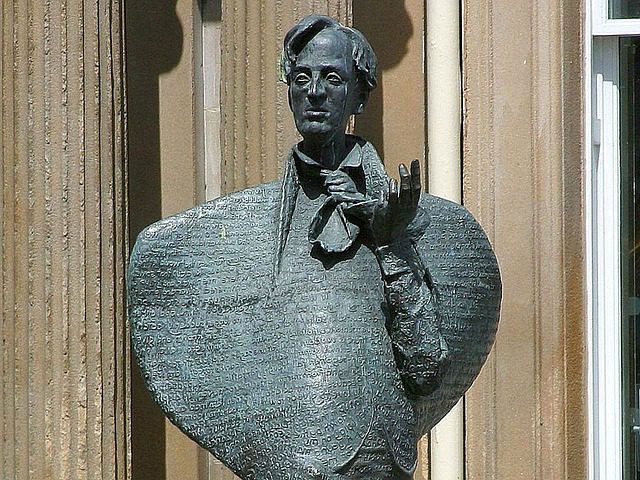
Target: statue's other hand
[[341, 187], [397, 205]]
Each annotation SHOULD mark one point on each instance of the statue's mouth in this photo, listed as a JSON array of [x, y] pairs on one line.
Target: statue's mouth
[[316, 114]]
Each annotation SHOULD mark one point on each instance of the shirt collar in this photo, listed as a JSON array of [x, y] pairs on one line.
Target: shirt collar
[[352, 160]]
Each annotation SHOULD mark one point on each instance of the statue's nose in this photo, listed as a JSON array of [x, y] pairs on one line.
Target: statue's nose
[[316, 89]]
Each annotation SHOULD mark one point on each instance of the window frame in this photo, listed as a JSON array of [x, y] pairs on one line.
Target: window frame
[[603, 209], [603, 234], [602, 25]]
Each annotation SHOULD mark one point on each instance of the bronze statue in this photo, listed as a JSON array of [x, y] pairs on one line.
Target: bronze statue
[[317, 326]]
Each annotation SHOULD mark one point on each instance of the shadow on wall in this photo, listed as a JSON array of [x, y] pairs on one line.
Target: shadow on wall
[[153, 46], [373, 18]]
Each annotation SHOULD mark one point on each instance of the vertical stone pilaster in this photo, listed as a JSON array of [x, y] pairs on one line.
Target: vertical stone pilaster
[[526, 414], [63, 244], [257, 127]]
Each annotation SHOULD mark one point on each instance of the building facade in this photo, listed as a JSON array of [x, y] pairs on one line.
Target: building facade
[[116, 114]]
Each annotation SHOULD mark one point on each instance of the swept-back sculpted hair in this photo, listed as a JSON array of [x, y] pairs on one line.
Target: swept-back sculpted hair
[[306, 29]]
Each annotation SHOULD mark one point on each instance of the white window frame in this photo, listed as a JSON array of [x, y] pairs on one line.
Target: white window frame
[[604, 285], [601, 24], [604, 256]]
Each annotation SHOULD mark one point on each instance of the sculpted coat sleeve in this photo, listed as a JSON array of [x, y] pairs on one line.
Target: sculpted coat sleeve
[[413, 323]]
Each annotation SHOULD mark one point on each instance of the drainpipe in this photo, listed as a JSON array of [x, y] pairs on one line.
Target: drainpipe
[[444, 161]]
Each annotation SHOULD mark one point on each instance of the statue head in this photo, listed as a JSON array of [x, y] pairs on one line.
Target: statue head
[[330, 70]]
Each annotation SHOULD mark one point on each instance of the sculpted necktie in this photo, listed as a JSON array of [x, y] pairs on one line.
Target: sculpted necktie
[[330, 228]]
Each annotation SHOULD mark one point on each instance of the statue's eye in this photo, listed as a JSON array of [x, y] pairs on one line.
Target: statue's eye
[[301, 78], [334, 79]]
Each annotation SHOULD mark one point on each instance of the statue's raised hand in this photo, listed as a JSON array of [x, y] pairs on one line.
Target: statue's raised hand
[[397, 205]]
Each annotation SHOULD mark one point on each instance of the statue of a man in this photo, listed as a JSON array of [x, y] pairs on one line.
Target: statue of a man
[[310, 328]]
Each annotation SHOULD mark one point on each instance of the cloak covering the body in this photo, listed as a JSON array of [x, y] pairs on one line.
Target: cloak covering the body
[[204, 311]]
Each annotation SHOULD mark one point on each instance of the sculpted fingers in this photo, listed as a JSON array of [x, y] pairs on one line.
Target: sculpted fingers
[[416, 186], [383, 199], [405, 195], [346, 197], [347, 189], [397, 204], [336, 188], [393, 197], [338, 182], [334, 176]]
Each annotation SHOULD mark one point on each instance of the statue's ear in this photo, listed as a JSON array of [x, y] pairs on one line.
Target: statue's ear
[[361, 102], [289, 97]]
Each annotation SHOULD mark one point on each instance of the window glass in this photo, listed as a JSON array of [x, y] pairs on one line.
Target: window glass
[[630, 248], [624, 8]]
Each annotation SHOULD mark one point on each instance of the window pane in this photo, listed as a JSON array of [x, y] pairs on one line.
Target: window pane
[[630, 248], [624, 8]]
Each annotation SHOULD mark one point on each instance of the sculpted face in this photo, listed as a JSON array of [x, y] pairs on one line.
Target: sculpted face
[[323, 92]]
